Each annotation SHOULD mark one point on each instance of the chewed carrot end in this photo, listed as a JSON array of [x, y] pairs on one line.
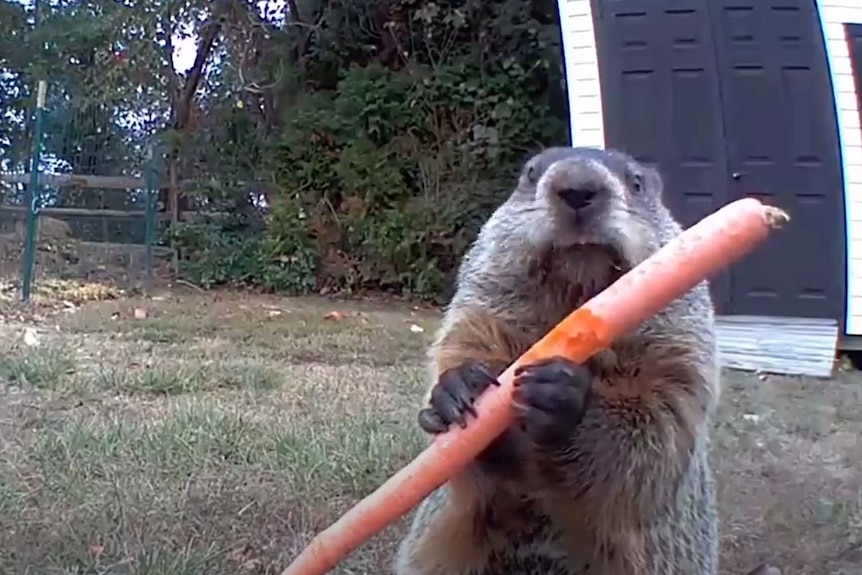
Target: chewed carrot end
[[776, 217]]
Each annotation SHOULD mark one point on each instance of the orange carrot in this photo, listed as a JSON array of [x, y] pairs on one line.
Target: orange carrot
[[699, 252]]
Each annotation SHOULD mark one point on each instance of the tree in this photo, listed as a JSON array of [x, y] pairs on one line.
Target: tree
[[361, 142]]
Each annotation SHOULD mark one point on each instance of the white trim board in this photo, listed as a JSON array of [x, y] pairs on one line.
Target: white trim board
[[586, 122], [587, 128], [834, 14]]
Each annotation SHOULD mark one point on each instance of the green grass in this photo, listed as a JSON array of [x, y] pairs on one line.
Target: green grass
[[216, 437], [183, 480], [189, 377], [174, 446], [36, 367]]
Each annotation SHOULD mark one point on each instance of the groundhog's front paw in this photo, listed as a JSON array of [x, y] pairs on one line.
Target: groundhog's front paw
[[453, 396], [551, 397]]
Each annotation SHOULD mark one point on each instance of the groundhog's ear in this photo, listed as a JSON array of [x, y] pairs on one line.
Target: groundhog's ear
[[652, 179], [530, 164], [529, 172]]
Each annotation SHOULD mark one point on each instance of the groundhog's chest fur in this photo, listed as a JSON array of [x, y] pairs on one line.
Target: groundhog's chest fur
[[536, 293], [539, 293]]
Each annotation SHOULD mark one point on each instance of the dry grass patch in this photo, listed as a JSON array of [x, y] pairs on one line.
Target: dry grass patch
[[290, 330], [789, 465]]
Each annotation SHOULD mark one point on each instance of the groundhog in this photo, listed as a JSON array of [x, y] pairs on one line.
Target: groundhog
[[605, 470]]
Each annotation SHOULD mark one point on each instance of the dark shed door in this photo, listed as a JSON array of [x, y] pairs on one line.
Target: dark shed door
[[782, 146], [732, 99], [661, 102]]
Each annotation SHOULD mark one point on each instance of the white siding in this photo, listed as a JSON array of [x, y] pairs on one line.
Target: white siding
[[833, 15], [582, 73]]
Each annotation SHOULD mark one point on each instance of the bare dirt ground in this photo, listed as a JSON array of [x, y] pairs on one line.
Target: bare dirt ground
[[221, 431], [62, 257]]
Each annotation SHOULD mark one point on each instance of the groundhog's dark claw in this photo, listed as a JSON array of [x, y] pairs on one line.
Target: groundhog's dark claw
[[766, 569], [430, 422], [551, 397], [453, 396]]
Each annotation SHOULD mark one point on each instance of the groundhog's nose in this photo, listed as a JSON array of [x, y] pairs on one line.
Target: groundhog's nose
[[577, 198]]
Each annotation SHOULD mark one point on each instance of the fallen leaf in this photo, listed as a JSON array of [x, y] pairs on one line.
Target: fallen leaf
[[252, 565], [140, 313], [416, 328], [96, 550], [30, 337], [274, 313], [115, 315], [334, 315]]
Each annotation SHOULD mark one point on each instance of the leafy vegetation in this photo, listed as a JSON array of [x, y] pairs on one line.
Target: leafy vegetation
[[331, 146]]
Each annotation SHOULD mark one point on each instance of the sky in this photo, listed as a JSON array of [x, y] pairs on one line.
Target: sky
[[185, 48], [184, 53]]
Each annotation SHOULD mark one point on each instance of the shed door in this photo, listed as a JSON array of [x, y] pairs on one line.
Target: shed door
[[782, 146], [732, 99], [662, 102]]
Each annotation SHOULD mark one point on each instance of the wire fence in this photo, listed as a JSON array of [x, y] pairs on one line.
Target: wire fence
[[83, 204]]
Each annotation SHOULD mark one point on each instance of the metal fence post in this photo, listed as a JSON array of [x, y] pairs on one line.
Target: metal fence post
[[151, 195], [33, 195]]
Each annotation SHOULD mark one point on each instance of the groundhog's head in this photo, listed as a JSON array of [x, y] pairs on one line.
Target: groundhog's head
[[596, 199]]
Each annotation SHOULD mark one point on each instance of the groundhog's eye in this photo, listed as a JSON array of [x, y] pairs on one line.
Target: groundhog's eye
[[531, 174], [638, 184]]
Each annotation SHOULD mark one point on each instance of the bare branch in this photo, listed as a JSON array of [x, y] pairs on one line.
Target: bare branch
[[209, 33]]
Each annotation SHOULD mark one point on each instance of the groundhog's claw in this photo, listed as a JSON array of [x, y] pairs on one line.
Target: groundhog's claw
[[766, 569], [550, 397], [453, 396]]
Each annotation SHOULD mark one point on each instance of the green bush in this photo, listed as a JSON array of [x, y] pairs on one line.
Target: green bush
[[382, 178], [217, 253], [211, 255]]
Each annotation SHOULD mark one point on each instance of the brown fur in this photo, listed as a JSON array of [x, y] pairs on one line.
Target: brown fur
[[479, 336], [647, 382], [457, 539]]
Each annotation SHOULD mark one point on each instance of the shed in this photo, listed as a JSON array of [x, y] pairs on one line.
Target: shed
[[734, 98]]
